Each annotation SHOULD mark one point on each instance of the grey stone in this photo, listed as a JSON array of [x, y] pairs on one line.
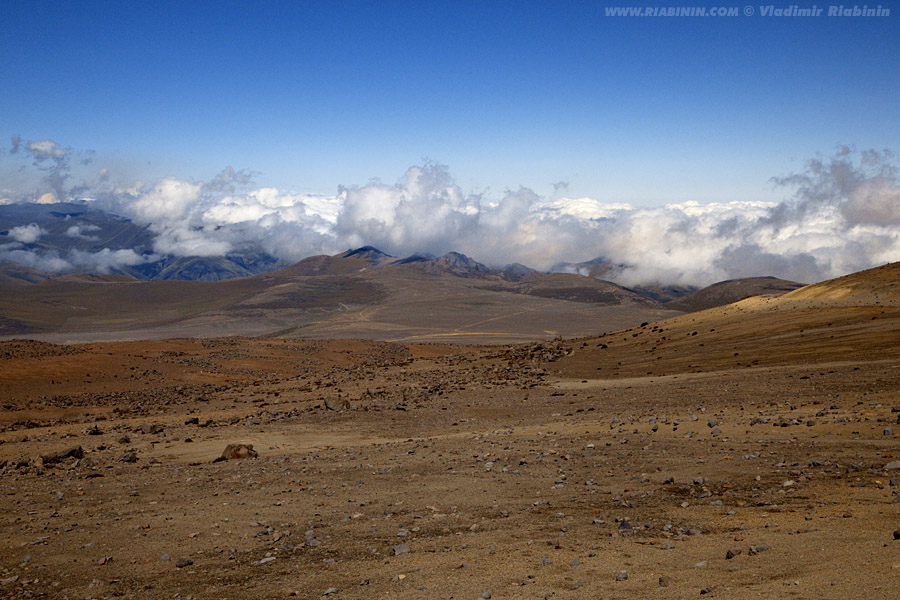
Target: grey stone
[[401, 549]]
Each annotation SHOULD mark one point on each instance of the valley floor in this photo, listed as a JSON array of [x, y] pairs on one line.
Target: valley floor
[[438, 471]]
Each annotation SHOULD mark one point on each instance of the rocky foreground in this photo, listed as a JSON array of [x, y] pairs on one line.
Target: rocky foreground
[[391, 471]]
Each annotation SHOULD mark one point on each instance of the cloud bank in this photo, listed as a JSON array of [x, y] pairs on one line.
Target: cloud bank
[[841, 214]]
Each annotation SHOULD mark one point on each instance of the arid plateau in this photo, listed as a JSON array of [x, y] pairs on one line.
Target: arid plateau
[[404, 446]]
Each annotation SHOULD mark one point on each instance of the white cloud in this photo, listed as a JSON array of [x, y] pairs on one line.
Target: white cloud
[[167, 201], [584, 208], [844, 215], [186, 241], [106, 260], [49, 262], [264, 202], [876, 202], [80, 232], [27, 234], [45, 149], [426, 211]]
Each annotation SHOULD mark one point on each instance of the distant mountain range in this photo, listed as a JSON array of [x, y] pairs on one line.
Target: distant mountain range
[[67, 227], [264, 294], [362, 293]]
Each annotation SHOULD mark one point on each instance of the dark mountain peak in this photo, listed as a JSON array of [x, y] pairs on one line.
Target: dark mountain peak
[[452, 263], [367, 253], [455, 260], [460, 265], [516, 272], [201, 268]]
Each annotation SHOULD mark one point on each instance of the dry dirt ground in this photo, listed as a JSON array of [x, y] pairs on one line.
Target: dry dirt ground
[[321, 298], [729, 454]]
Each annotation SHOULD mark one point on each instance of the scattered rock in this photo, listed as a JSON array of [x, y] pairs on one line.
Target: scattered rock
[[74, 452], [622, 576], [236, 451], [129, 457], [151, 428], [183, 562], [732, 552], [401, 549]]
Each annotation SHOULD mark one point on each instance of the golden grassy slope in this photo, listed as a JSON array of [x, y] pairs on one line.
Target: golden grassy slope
[[853, 318]]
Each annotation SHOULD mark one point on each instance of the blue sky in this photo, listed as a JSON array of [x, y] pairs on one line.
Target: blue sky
[[313, 95]]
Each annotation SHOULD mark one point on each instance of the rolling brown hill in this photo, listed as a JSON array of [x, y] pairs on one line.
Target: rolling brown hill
[[852, 318], [733, 290], [358, 294], [878, 286], [13, 274], [575, 288]]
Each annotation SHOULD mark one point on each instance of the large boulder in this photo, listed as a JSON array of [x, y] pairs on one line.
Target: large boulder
[[235, 451], [75, 452]]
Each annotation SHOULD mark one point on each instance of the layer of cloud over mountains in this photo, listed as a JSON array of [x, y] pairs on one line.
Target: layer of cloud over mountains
[[843, 215]]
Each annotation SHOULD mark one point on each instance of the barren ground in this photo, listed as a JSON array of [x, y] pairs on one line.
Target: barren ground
[[438, 471]]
